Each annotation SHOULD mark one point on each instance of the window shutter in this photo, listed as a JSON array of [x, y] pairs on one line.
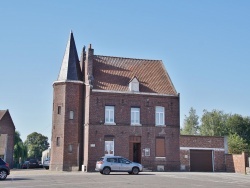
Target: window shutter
[[160, 147]]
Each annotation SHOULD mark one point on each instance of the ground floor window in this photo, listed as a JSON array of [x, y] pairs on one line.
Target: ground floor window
[[109, 147]]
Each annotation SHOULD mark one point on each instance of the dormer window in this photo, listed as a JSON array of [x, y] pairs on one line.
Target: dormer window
[[134, 85]]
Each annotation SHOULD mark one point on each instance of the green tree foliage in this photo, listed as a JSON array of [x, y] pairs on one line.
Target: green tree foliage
[[20, 150], [191, 123], [213, 123], [237, 144], [36, 144], [239, 125], [236, 127]]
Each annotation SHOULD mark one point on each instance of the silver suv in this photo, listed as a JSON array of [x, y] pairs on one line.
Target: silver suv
[[109, 164]]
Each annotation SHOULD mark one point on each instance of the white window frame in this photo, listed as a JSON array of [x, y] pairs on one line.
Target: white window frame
[[159, 116], [135, 116], [109, 115], [134, 85], [109, 148]]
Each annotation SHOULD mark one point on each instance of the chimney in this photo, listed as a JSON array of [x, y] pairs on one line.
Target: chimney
[[82, 60], [89, 65]]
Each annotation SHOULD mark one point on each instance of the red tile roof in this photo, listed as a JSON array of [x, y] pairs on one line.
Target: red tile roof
[[115, 73]]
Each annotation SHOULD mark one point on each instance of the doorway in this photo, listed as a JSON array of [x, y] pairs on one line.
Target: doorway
[[135, 149]]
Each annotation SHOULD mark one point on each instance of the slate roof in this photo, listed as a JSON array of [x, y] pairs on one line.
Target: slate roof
[[70, 68], [115, 73]]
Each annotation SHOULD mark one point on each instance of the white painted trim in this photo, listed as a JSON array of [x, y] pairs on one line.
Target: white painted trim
[[71, 81], [197, 148], [135, 125], [130, 92], [213, 159]]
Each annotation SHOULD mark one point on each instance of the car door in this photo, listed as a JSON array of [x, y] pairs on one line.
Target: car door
[[124, 164], [113, 163]]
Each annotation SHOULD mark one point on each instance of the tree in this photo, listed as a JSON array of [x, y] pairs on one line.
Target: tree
[[239, 125], [237, 144], [20, 150], [191, 124], [36, 144], [214, 123]]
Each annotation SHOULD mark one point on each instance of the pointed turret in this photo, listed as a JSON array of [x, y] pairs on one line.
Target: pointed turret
[[70, 69]]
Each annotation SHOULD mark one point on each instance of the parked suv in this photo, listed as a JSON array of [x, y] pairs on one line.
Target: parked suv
[[4, 169], [109, 164]]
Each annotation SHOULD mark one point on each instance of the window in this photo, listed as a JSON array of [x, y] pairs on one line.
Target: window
[[159, 115], [70, 148], [112, 160], [109, 148], [59, 109], [134, 85], [71, 114], [123, 161], [160, 147], [135, 116], [57, 141], [109, 114]]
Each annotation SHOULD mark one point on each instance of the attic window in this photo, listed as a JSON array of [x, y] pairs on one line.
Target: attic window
[[134, 85]]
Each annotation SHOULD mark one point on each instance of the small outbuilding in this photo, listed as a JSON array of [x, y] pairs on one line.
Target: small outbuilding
[[202, 153], [7, 135]]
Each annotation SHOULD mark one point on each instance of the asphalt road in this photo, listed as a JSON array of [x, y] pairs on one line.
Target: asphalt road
[[27, 178]]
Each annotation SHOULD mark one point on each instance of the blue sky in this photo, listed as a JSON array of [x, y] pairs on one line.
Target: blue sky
[[204, 44]]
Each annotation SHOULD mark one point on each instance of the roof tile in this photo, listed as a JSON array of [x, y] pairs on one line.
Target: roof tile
[[115, 73]]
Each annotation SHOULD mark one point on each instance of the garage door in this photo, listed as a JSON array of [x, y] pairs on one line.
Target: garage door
[[201, 161]]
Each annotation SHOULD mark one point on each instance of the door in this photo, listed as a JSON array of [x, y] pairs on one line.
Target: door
[[201, 160], [124, 164], [135, 149], [114, 164], [137, 152]]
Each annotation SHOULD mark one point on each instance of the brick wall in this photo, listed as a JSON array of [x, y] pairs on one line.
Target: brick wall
[[236, 162], [8, 127], [122, 131], [66, 156], [216, 144]]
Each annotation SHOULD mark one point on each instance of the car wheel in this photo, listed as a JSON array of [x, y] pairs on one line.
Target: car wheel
[[106, 171], [3, 174], [135, 170]]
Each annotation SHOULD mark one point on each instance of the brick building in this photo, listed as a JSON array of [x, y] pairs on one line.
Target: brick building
[[7, 135], [105, 105], [203, 153]]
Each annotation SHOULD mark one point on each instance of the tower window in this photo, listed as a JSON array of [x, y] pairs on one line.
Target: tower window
[[59, 110], [57, 141], [71, 114], [70, 148]]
